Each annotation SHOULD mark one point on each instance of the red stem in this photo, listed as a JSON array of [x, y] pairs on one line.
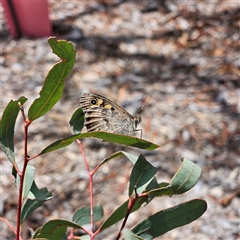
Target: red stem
[[90, 188], [22, 174], [8, 223], [131, 203]]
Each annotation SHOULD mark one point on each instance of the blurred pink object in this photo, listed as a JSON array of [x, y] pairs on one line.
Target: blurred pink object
[[27, 18]]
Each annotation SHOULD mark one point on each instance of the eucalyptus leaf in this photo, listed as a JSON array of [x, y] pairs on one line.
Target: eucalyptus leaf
[[82, 215], [77, 121], [171, 218], [52, 89], [27, 181], [54, 229], [7, 124], [141, 175], [116, 138], [38, 198]]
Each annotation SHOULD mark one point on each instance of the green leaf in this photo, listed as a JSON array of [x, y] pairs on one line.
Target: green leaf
[[54, 83], [54, 229], [121, 139], [131, 157], [121, 212], [170, 218], [7, 125], [141, 175], [77, 121], [152, 185], [39, 194], [27, 181], [128, 235], [185, 179], [82, 215], [38, 198]]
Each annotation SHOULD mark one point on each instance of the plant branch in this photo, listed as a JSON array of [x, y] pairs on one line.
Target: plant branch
[[21, 175], [131, 203], [90, 187], [9, 225]]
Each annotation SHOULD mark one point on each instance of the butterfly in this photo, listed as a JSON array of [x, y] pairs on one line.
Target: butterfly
[[102, 114]]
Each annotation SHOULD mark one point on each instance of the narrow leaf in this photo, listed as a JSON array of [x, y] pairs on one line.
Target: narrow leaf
[[121, 139], [27, 181], [141, 175], [170, 218], [82, 215], [7, 124], [54, 83]]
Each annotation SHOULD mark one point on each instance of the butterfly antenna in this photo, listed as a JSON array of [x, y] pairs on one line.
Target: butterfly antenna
[[143, 106]]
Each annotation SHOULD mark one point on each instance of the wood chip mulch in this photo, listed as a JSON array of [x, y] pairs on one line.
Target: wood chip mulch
[[185, 56]]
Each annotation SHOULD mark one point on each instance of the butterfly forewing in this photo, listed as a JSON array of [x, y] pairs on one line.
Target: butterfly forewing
[[102, 114]]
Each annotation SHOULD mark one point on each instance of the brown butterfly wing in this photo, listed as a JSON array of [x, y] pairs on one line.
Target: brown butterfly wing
[[101, 114]]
